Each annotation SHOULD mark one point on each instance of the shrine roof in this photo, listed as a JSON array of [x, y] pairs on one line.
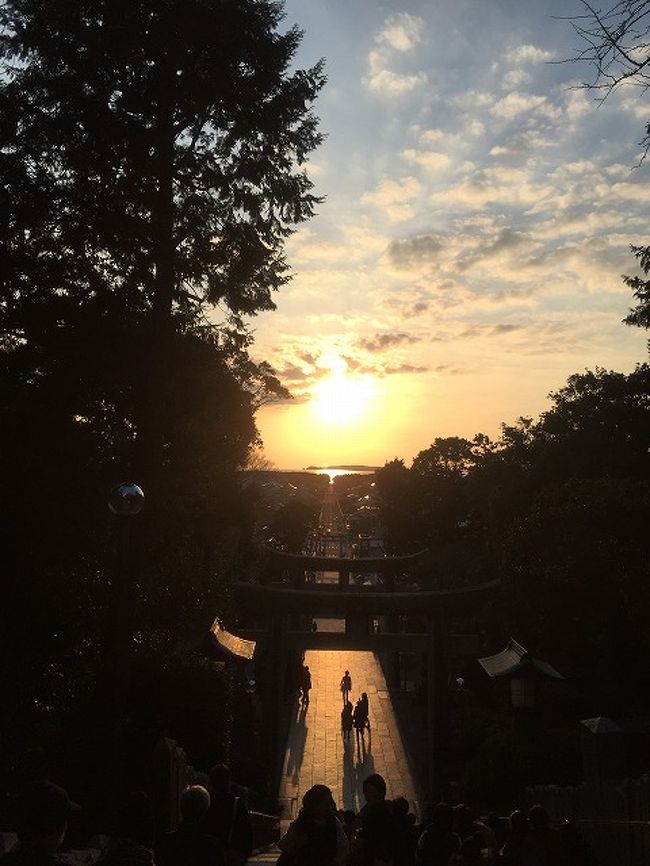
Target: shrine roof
[[515, 658], [232, 646]]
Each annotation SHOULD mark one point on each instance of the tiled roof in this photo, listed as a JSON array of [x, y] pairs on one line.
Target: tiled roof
[[515, 658], [230, 644]]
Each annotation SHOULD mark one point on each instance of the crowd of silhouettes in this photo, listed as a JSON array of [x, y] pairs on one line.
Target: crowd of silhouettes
[[215, 830], [386, 833]]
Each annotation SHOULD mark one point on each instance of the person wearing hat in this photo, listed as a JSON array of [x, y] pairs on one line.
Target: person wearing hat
[[40, 812]]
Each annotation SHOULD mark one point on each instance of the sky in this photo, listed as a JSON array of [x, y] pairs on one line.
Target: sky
[[478, 215]]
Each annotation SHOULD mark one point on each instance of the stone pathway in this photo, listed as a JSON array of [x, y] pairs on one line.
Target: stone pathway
[[316, 752]]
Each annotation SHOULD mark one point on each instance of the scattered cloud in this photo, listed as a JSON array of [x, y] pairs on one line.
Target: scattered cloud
[[400, 34], [381, 342], [514, 104], [515, 78], [430, 160], [405, 368], [528, 54], [394, 197]]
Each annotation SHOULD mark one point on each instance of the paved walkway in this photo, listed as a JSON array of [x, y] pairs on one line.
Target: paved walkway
[[316, 752]]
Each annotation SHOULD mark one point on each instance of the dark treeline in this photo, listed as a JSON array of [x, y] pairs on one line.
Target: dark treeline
[[150, 167], [558, 509]]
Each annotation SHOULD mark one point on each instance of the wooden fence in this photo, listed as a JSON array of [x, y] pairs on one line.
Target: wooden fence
[[614, 817]]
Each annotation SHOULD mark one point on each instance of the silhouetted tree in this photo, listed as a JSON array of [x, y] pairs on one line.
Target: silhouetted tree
[[151, 160], [615, 44], [640, 314], [556, 508]]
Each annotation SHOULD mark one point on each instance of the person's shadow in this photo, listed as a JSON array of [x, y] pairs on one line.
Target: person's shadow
[[297, 740]]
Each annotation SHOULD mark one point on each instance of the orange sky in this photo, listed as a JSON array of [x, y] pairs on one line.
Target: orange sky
[[478, 217]]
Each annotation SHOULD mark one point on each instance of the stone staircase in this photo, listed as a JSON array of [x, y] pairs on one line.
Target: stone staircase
[[268, 857]]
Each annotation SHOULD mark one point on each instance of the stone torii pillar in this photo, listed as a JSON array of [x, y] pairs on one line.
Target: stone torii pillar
[[436, 703]]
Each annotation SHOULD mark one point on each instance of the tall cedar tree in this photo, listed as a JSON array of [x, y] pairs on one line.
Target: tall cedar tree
[[151, 168]]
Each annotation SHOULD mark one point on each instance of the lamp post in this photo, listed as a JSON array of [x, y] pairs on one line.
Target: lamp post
[[125, 501]]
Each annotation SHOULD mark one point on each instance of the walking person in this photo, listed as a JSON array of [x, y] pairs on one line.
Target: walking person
[[346, 687], [359, 720], [346, 720], [365, 709], [305, 685]]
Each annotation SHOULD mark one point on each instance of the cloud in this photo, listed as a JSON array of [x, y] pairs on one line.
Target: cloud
[[380, 342], [405, 368], [489, 330], [506, 242], [515, 78], [528, 54], [400, 34], [430, 160], [515, 104], [418, 250], [394, 197]]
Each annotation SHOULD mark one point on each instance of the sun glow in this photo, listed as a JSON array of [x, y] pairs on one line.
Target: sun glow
[[342, 400]]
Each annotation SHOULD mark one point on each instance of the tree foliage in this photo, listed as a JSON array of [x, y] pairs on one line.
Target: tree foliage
[[556, 507], [152, 166]]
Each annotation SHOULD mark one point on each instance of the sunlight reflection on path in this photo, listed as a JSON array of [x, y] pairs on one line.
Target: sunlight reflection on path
[[316, 752]]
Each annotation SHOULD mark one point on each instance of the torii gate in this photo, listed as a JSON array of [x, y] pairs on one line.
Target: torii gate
[[280, 609]]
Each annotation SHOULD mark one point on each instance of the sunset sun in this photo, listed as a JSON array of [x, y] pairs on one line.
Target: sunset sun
[[342, 400]]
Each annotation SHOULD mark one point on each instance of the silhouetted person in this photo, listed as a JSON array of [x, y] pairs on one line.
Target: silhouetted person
[[316, 837], [346, 687], [466, 825], [541, 845], [346, 720], [359, 720], [305, 685], [438, 843], [132, 833], [228, 818], [498, 826], [376, 836], [574, 851], [512, 850], [40, 815], [406, 836], [366, 708], [348, 818], [190, 845], [471, 851]]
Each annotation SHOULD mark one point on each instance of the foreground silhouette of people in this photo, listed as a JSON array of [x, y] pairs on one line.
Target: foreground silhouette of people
[[574, 851], [406, 833], [467, 825], [228, 818], [438, 843], [190, 845], [376, 837], [541, 845], [316, 837], [40, 815], [132, 833], [511, 851], [346, 687]]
